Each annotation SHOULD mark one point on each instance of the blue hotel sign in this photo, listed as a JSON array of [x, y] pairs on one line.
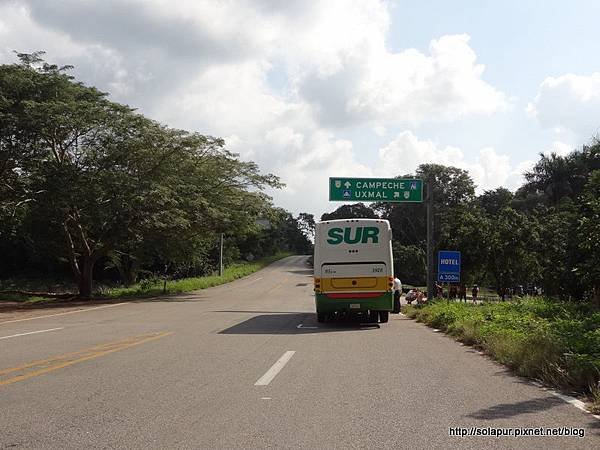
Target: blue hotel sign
[[448, 266]]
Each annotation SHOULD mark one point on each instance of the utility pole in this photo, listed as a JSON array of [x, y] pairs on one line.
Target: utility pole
[[430, 245], [221, 256]]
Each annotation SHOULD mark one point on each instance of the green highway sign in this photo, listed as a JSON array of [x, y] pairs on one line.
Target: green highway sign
[[375, 190]]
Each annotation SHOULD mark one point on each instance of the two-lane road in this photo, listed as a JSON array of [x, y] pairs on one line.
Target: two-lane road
[[245, 365]]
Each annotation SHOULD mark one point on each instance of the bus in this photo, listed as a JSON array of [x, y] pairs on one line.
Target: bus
[[353, 269]]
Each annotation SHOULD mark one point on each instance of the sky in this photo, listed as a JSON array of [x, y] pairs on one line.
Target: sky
[[314, 89]]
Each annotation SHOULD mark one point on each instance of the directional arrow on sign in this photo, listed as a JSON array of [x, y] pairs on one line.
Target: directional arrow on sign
[[375, 189]]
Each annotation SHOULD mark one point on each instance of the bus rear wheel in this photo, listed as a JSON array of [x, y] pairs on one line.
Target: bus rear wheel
[[384, 316], [321, 317]]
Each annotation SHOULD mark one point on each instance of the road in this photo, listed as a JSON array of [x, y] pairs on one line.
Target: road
[[245, 365]]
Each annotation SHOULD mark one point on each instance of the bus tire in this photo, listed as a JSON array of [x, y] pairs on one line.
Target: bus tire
[[384, 316], [321, 317], [373, 315]]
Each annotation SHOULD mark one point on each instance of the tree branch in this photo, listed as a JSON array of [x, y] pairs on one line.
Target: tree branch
[[71, 251]]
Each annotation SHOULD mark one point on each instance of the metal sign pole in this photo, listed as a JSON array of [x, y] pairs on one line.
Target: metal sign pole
[[430, 224]]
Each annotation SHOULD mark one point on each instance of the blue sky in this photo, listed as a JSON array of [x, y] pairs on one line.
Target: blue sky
[[520, 42], [364, 88]]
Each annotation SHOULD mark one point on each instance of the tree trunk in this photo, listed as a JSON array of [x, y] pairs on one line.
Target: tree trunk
[[130, 271], [82, 261], [85, 280]]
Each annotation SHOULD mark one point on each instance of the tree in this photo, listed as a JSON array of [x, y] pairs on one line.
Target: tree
[[554, 177], [557, 252], [306, 222], [410, 263], [284, 234], [468, 228], [511, 256], [550, 176], [111, 182], [494, 201], [354, 211], [452, 187], [588, 233]]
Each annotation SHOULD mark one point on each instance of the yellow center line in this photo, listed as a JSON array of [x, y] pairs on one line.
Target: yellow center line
[[70, 355], [68, 359]]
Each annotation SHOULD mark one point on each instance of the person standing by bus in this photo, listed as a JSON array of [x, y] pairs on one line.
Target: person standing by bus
[[462, 292], [439, 290], [452, 292], [397, 287], [475, 293]]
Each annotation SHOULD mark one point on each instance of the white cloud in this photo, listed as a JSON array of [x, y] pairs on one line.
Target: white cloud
[[488, 169], [307, 174], [379, 130], [409, 87], [560, 148], [569, 102], [333, 52], [404, 154], [206, 65]]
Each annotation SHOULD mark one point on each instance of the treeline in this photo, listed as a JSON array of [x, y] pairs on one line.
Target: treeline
[[545, 234], [89, 186]]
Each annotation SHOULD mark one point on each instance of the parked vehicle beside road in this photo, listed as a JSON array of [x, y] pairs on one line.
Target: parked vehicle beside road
[[353, 269]]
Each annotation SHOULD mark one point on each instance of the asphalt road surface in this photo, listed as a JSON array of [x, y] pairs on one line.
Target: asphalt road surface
[[245, 365]]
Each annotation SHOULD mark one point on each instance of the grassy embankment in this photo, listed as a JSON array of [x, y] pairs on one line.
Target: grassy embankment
[[555, 342], [150, 288]]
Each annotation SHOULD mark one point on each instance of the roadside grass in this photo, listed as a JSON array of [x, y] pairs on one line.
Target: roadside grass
[[29, 299], [157, 286], [153, 287], [32, 284], [555, 342]]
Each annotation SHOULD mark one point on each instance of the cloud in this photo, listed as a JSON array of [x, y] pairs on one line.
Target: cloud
[[569, 102], [333, 53], [560, 148], [409, 87], [488, 169], [186, 29], [307, 173], [209, 66]]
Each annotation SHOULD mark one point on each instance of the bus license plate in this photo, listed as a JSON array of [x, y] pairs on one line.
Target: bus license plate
[[354, 305]]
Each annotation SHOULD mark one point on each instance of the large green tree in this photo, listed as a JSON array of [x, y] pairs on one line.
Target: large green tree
[[353, 211], [588, 234], [112, 183]]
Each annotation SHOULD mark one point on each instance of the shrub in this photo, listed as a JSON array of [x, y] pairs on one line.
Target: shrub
[[556, 342]]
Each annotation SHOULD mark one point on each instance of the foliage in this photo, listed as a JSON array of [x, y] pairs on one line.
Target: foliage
[[306, 223], [546, 234], [588, 236], [90, 184], [153, 285], [541, 338], [356, 210]]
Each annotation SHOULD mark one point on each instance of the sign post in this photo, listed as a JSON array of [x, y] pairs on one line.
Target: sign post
[[375, 190], [400, 190], [449, 266], [430, 243]]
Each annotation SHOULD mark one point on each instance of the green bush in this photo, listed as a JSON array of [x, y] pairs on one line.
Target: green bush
[[556, 342], [154, 286]]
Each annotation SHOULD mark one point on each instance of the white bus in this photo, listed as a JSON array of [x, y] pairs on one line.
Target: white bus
[[353, 268]]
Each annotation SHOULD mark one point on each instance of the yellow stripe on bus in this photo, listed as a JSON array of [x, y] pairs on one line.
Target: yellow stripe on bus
[[355, 284]]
